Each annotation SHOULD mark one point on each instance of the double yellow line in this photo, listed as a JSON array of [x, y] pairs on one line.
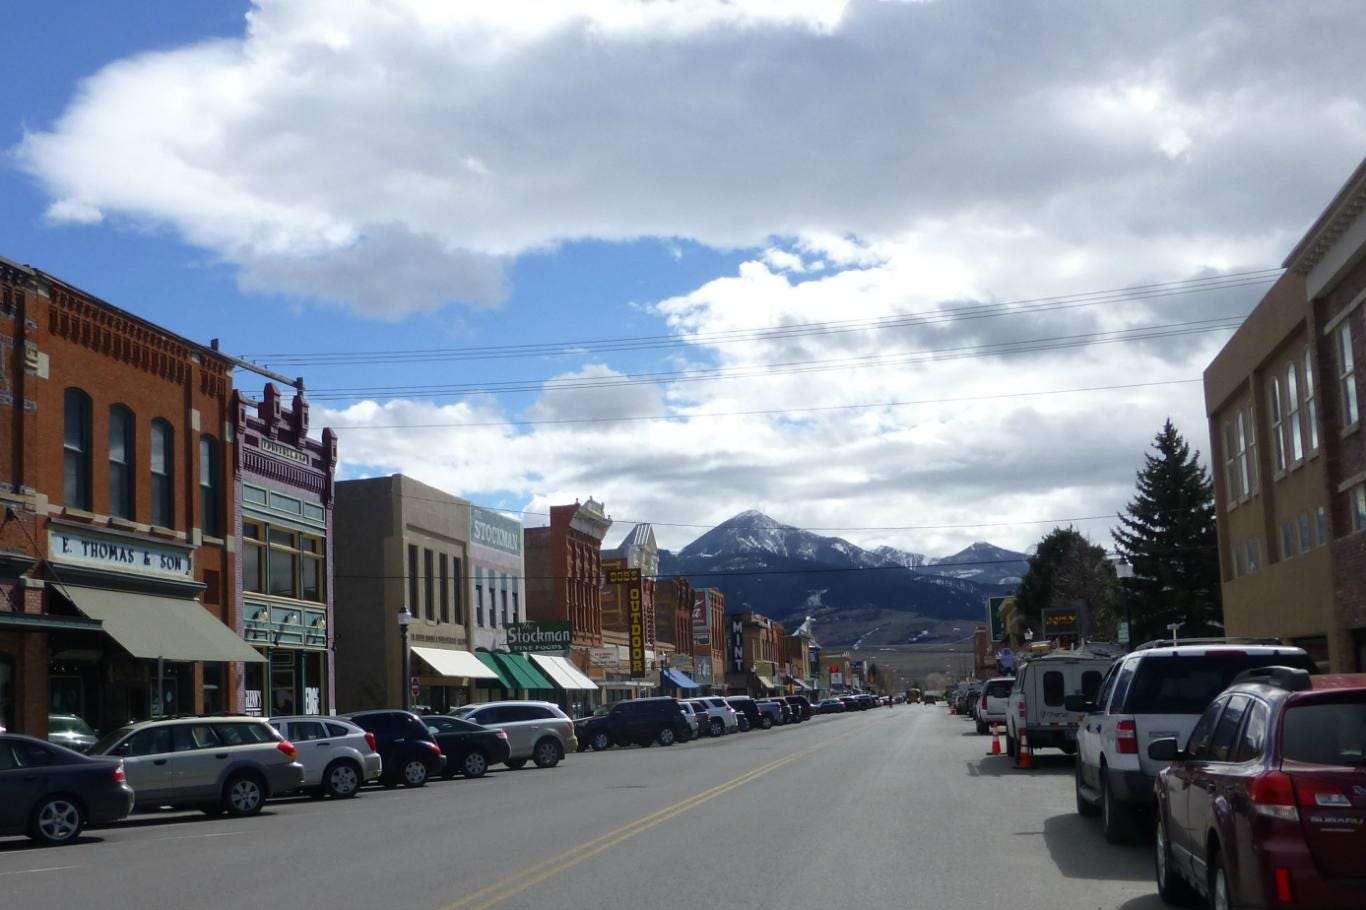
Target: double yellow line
[[530, 877]]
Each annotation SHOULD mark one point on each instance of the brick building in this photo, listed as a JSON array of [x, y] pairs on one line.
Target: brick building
[[1284, 404], [639, 553], [757, 655], [117, 576], [564, 579]]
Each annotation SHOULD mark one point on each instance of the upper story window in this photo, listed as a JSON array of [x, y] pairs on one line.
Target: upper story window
[[210, 464], [76, 450], [1347, 380], [121, 461], [458, 595], [1277, 423], [163, 474], [1240, 459], [1311, 406], [1292, 415], [282, 562], [412, 579]]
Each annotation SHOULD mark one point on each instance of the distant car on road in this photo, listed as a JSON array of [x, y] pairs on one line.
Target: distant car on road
[[801, 707], [830, 706], [338, 756], [773, 711], [50, 792]]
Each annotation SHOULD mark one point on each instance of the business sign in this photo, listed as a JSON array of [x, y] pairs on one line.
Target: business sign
[[539, 636], [636, 614], [836, 680], [701, 618], [702, 671], [994, 620], [736, 650], [494, 531], [118, 554], [604, 657], [283, 451], [1061, 621]]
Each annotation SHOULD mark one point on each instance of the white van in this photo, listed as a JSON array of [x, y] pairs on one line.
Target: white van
[[1037, 702]]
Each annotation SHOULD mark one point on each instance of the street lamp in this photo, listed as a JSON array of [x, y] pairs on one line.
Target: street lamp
[[404, 617], [1124, 571]]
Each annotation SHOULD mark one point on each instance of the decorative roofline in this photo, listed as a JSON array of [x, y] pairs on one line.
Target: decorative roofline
[[1331, 224]]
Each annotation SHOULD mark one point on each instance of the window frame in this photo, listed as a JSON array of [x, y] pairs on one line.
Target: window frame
[[1295, 450], [1347, 387], [77, 468], [123, 471], [163, 482], [210, 500], [1356, 506], [1276, 416], [1311, 406]]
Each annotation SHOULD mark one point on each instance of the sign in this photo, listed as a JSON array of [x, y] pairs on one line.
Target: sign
[[539, 636], [603, 657], [702, 671], [736, 656], [1005, 658], [289, 453], [635, 611], [994, 620], [494, 531], [701, 618], [119, 554], [623, 576], [1124, 633], [1061, 621], [836, 680]]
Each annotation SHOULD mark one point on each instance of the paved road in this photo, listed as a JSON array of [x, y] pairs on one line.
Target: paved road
[[886, 808]]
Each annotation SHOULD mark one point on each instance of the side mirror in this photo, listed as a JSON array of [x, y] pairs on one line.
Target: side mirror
[[1079, 703], [1164, 749]]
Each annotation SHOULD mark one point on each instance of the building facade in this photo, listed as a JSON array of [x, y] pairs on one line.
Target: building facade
[[117, 568], [1283, 404], [564, 581]]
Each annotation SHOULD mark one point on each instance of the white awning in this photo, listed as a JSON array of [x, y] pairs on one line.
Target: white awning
[[458, 664], [563, 672]]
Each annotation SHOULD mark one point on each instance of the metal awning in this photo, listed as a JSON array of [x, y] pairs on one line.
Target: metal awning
[[678, 679], [520, 669], [563, 672], [456, 664], [173, 628], [504, 678], [766, 682]]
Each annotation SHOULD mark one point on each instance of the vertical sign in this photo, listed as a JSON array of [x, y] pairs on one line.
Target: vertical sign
[[635, 615], [737, 645], [701, 618], [994, 622]]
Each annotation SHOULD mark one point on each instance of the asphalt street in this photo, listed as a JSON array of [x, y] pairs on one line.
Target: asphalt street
[[892, 807]]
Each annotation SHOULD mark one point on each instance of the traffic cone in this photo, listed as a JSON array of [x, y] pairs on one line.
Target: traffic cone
[[995, 740], [1024, 757]]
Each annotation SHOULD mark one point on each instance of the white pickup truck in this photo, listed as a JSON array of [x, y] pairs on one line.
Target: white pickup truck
[[1038, 699]]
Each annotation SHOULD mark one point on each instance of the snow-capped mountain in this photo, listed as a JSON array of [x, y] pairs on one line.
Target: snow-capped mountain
[[754, 533], [982, 562]]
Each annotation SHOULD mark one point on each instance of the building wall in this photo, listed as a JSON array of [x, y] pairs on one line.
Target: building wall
[[370, 581]]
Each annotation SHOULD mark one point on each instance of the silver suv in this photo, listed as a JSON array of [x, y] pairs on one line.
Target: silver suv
[[722, 717], [217, 764], [338, 756], [536, 730]]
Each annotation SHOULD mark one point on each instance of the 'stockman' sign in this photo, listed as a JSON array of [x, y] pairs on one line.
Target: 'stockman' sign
[[539, 636], [495, 532]]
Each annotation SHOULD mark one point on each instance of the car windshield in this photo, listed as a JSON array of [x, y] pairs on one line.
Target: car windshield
[[1186, 685], [105, 743], [69, 725], [1332, 733], [601, 712]]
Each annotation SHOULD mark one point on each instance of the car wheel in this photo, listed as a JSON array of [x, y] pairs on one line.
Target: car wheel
[[1171, 887], [1010, 745], [1219, 896], [717, 727], [766, 722], [600, 741], [56, 821], [243, 795], [666, 736], [1085, 807], [341, 780], [515, 764], [981, 728], [1068, 748], [547, 753], [1117, 820], [414, 773], [474, 765]]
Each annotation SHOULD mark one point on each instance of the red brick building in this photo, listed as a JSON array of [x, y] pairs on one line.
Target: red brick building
[[117, 580], [564, 576]]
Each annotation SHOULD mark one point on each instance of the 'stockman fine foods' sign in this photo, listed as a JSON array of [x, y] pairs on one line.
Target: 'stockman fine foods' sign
[[539, 636]]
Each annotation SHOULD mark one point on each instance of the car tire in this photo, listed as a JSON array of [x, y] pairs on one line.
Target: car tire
[[1171, 887], [341, 780], [600, 741], [717, 727], [414, 773], [666, 736], [57, 820], [547, 753], [516, 764], [766, 722], [1085, 807], [1010, 745], [1220, 897], [1068, 748], [244, 794], [476, 764], [981, 728], [1117, 820]]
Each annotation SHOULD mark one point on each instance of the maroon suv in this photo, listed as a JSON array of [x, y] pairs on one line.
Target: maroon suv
[[1266, 805]]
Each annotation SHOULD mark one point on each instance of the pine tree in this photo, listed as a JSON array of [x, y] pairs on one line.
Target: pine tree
[[1169, 536], [1067, 568]]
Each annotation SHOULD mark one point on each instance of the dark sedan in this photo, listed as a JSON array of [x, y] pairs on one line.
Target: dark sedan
[[51, 793], [468, 747], [407, 750]]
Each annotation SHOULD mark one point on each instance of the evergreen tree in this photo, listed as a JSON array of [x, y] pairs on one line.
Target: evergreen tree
[[1169, 536], [1067, 568]]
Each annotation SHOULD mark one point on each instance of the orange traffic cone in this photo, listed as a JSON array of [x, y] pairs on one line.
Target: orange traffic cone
[[995, 740], [1024, 757]]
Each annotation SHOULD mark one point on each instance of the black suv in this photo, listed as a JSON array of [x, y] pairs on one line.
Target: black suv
[[751, 718], [405, 745], [642, 721], [801, 708]]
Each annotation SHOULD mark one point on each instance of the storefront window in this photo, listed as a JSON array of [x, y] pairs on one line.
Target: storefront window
[[213, 688], [121, 461], [6, 691]]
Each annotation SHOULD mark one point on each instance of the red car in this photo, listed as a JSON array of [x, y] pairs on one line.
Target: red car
[[1266, 805]]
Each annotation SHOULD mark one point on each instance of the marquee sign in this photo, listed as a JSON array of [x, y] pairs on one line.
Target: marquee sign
[[119, 554]]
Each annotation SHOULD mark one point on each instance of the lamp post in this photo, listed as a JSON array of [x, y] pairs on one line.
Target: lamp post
[[1124, 571], [404, 617]]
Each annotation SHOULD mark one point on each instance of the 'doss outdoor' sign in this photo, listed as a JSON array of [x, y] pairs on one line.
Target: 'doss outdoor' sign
[[539, 636]]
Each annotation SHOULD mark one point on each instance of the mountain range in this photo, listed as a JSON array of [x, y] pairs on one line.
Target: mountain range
[[884, 595]]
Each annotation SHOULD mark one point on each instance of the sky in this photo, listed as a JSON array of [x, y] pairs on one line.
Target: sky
[[914, 274]]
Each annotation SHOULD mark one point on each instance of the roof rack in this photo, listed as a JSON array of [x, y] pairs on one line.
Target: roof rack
[[1291, 679], [1174, 643]]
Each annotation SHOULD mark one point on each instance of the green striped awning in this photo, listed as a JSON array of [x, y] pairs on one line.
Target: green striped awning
[[504, 679], [524, 671]]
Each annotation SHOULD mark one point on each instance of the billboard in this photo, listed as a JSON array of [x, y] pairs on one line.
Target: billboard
[[1061, 621], [539, 636]]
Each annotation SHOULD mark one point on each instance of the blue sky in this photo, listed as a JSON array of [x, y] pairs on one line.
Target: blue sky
[[303, 176]]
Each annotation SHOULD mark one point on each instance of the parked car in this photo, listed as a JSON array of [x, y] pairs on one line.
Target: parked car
[[801, 708], [639, 721], [851, 702], [773, 711], [929, 698], [994, 702], [1038, 699], [338, 756], [469, 748], [50, 792], [1266, 804], [747, 711], [866, 701], [408, 753], [70, 731], [1155, 692], [216, 764], [698, 718], [537, 730], [722, 717], [830, 706], [784, 709]]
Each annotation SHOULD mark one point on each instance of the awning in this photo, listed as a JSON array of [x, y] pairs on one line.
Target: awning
[[678, 679], [522, 670], [458, 664], [766, 682], [503, 677], [563, 672], [798, 683], [174, 628]]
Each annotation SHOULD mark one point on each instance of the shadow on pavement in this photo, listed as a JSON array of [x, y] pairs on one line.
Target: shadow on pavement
[[1001, 765], [1080, 851], [23, 844], [1146, 902]]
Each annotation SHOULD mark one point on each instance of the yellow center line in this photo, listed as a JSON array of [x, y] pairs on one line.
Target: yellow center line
[[512, 885]]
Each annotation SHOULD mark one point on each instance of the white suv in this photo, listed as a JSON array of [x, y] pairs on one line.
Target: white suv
[[723, 716], [338, 756], [536, 730], [994, 703], [1157, 692]]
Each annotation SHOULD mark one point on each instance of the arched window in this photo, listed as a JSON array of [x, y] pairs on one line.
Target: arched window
[[163, 474], [76, 450], [121, 461], [209, 467]]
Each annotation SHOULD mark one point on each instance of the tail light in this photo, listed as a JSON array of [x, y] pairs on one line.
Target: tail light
[[119, 776], [287, 747], [370, 741], [1126, 737], [1273, 795], [1020, 710], [984, 701], [500, 734], [1317, 793], [433, 747], [1284, 893]]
